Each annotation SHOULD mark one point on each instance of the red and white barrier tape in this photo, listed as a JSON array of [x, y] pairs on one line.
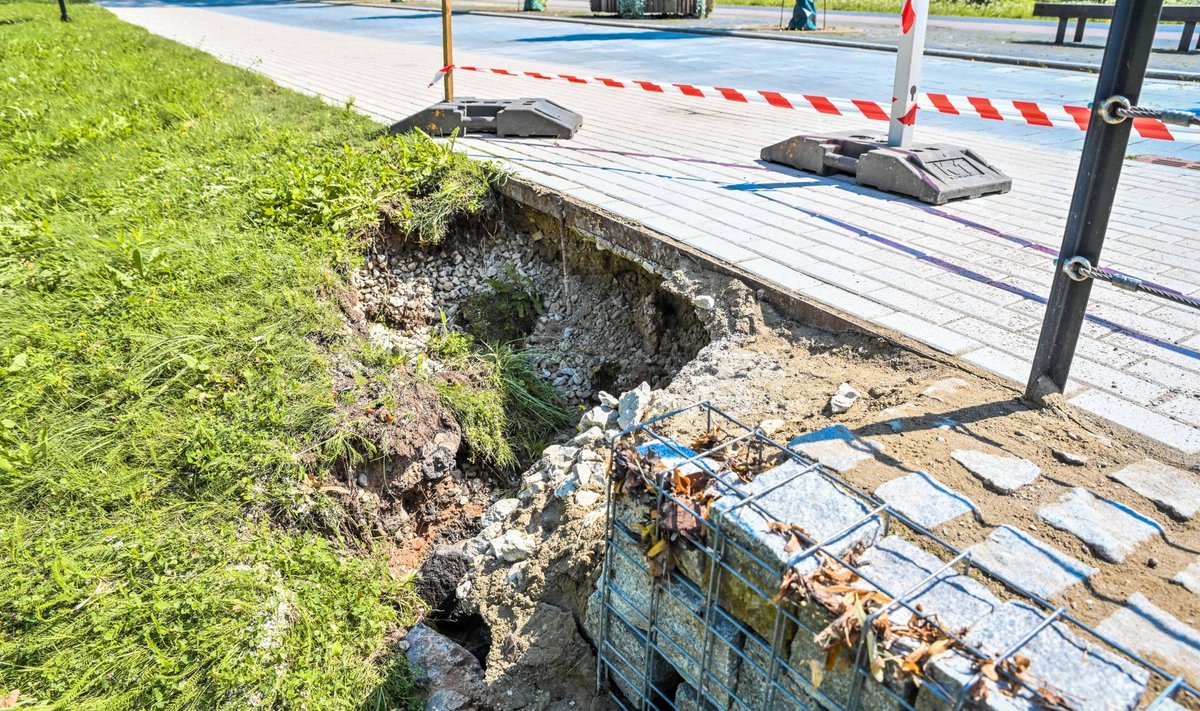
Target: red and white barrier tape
[[1029, 112]]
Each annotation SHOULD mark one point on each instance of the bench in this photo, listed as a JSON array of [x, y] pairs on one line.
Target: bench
[[1189, 15]]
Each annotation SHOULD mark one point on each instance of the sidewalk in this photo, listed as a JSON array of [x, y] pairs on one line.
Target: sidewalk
[[968, 278], [1024, 39]]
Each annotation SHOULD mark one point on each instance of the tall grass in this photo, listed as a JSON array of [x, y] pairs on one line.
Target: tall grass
[[172, 234]]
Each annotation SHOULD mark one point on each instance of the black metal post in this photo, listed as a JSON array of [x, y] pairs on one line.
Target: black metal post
[[1121, 73], [62, 9]]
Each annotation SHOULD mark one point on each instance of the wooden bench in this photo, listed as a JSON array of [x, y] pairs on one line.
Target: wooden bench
[[1189, 15]]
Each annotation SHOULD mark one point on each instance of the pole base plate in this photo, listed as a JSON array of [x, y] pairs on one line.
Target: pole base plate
[[523, 118], [934, 174]]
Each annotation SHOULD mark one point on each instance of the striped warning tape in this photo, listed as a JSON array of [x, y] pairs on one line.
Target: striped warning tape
[[1029, 112]]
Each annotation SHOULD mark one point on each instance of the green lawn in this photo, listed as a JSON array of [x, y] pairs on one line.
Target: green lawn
[[173, 234]]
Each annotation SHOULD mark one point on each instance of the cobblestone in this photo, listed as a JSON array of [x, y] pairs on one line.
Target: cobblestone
[[923, 499], [1111, 530], [1189, 577], [1033, 564], [1003, 473], [1152, 632], [836, 447], [1174, 490], [1091, 677]]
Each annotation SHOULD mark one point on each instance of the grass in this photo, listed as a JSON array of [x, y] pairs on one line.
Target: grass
[[172, 232], [507, 413]]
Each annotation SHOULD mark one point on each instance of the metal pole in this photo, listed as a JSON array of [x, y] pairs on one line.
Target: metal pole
[[1126, 54], [913, 19], [447, 52], [62, 9]]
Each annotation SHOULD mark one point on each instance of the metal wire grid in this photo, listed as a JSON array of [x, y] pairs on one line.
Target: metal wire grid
[[711, 691]]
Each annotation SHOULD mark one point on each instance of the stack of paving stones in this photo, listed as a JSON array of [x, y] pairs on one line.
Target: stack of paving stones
[[666, 633]]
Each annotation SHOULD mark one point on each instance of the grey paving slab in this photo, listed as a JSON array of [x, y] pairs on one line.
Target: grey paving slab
[[923, 499], [922, 579], [791, 494], [1172, 489], [1093, 678], [1003, 473], [1029, 562], [1110, 529], [1189, 577], [1153, 632], [836, 447]]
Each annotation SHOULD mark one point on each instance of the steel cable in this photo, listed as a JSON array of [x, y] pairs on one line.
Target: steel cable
[[1080, 269]]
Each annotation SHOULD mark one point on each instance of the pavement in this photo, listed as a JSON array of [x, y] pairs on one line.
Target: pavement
[[969, 278], [1022, 39]]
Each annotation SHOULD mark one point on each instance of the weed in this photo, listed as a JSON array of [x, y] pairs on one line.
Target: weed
[[508, 414], [507, 311]]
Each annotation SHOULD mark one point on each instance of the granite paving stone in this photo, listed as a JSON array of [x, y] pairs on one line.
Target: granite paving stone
[[1029, 562], [1173, 490], [792, 494], [900, 568], [1093, 678], [681, 630], [836, 447], [1110, 529], [1153, 632], [625, 650], [1189, 577], [923, 499], [1002, 473]]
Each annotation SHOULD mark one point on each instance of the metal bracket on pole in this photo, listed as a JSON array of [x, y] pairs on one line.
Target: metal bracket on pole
[[522, 118], [929, 173], [1119, 84]]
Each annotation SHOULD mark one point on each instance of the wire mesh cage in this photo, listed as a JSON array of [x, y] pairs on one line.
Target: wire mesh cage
[[739, 575]]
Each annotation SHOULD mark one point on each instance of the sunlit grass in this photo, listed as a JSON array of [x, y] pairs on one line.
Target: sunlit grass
[[173, 235]]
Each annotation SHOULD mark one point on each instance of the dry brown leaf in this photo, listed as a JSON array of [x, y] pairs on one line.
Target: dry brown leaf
[[657, 549], [988, 670], [817, 672]]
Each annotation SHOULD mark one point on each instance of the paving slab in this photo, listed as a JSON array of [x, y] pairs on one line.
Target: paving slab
[[1093, 678], [1157, 635], [836, 447], [1189, 577], [1110, 529], [1172, 489], [1001, 473], [900, 568], [1029, 562], [923, 499]]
